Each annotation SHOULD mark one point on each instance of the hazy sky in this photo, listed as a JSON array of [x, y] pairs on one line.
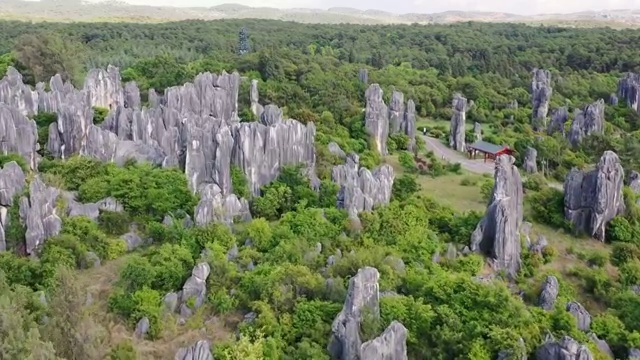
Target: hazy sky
[[423, 6]]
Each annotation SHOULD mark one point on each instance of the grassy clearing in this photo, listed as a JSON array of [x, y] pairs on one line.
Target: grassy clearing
[[202, 325], [446, 124]]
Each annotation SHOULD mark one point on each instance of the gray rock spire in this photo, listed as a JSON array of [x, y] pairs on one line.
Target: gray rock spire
[[254, 97], [629, 90], [530, 161], [540, 97], [559, 117], [396, 112], [592, 199], [18, 134], [587, 122], [377, 118], [458, 123], [104, 88], [498, 233], [564, 349]]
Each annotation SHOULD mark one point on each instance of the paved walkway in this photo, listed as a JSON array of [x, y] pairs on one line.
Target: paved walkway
[[477, 166]]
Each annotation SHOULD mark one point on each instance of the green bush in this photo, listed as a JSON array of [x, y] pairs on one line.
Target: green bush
[[535, 182], [7, 158], [619, 229], [239, 183], [114, 223], [99, 115], [123, 351], [623, 253], [547, 207], [469, 181]]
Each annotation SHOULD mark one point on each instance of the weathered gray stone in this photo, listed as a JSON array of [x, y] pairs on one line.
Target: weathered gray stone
[[583, 318], [498, 233], [540, 244], [110, 204], [171, 301], [592, 199], [336, 150], [602, 346], [549, 293], [587, 122], [520, 352], [458, 123], [18, 134], [530, 164], [540, 97], [363, 76], [216, 207], [634, 181], [198, 351], [196, 286], [361, 189], [209, 95], [39, 214], [131, 96], [104, 88], [408, 125], [12, 183], [634, 354], [377, 118], [254, 97], [563, 349], [559, 117], [629, 90], [396, 111], [391, 345], [613, 100], [142, 328], [132, 240], [90, 260], [477, 131], [14, 93]]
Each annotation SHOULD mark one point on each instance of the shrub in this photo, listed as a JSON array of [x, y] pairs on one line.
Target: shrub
[[624, 252], [114, 223], [535, 182], [239, 182], [99, 114], [407, 162], [123, 351], [404, 187], [7, 158], [468, 181], [547, 207], [486, 189], [598, 258], [619, 229]]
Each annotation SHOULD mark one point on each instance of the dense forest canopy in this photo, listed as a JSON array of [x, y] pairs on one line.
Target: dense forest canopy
[[279, 280]]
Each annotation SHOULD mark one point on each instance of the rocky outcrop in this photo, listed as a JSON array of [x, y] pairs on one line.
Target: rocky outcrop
[[361, 189], [14, 93], [408, 125], [634, 354], [18, 134], [629, 90], [613, 100], [198, 351], [582, 316], [458, 123], [39, 214], [194, 290], [363, 76], [391, 345], [214, 206], [131, 96], [254, 97], [602, 346], [549, 293], [587, 122], [209, 95], [363, 299], [336, 150], [477, 131], [12, 182], [634, 181], [563, 349], [540, 97], [559, 117], [592, 199], [513, 104], [104, 88], [498, 233], [396, 112], [530, 164], [376, 118]]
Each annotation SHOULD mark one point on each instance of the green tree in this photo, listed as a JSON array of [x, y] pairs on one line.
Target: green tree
[[48, 54]]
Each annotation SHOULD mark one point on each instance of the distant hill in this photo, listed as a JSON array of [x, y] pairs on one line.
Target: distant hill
[[77, 10]]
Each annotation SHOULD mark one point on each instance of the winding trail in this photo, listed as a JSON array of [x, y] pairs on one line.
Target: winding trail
[[477, 166]]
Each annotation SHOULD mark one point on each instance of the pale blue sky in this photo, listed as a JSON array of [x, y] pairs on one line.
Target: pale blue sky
[[423, 6]]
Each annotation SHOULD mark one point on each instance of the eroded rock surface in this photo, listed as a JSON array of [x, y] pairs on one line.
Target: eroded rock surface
[[559, 117], [549, 293], [564, 349], [361, 189], [194, 290], [18, 134], [39, 214], [363, 299], [12, 182], [104, 88], [214, 206], [587, 122], [458, 123], [254, 97], [541, 92], [477, 131], [377, 118], [530, 164], [14, 93], [629, 90], [583, 318], [201, 350], [498, 233], [592, 199]]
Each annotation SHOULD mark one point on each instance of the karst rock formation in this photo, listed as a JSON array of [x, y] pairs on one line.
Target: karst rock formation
[[530, 164], [629, 90], [382, 121], [498, 233], [564, 349], [458, 123], [592, 199], [363, 299], [559, 117], [361, 189], [541, 92], [587, 122], [12, 183]]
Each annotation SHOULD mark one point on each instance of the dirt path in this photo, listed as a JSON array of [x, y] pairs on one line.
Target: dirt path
[[476, 166]]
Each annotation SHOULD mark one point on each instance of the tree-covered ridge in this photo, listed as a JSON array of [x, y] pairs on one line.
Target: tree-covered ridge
[[280, 279]]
